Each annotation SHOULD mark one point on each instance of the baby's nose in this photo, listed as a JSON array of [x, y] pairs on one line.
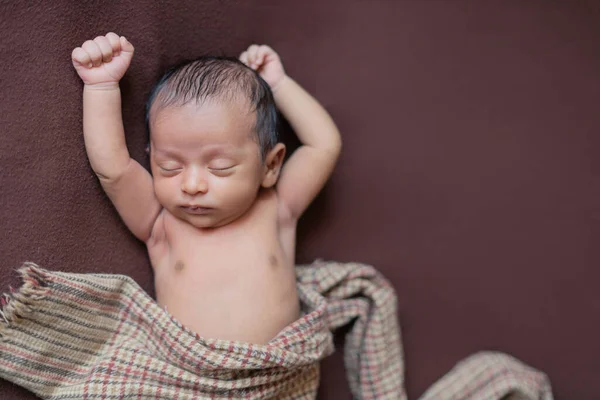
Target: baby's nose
[[194, 182]]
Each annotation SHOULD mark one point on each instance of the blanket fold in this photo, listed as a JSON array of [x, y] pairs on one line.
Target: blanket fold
[[100, 336]]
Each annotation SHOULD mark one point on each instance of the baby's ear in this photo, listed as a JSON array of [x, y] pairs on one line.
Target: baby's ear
[[273, 163]]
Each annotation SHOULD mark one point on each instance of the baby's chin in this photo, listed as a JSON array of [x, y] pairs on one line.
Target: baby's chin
[[205, 219]]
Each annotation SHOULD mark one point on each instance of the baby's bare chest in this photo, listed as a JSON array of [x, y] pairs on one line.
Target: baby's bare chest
[[250, 253], [220, 282], [231, 251]]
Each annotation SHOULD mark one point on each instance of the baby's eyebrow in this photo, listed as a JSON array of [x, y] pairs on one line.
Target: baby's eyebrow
[[208, 152], [166, 153], [214, 151]]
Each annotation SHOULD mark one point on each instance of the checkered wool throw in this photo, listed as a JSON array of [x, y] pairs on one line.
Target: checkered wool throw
[[94, 336]]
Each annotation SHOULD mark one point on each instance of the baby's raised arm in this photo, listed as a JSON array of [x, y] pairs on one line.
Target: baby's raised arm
[[101, 63], [307, 170]]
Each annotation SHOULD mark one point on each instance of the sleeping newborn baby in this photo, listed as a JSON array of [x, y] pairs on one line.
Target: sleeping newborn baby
[[219, 210]]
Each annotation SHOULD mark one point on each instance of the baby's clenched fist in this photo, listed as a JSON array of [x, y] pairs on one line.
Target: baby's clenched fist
[[266, 62], [103, 60]]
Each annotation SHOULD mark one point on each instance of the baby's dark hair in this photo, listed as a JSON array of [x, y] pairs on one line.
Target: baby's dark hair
[[219, 78]]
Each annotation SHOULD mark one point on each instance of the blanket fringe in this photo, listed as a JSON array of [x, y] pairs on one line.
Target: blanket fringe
[[16, 304]]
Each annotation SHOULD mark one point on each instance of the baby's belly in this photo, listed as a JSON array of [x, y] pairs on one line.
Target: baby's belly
[[247, 303]]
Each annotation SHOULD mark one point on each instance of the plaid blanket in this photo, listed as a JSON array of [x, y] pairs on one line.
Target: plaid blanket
[[94, 336]]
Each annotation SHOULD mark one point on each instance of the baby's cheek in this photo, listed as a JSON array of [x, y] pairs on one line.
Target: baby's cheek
[[245, 192], [163, 191]]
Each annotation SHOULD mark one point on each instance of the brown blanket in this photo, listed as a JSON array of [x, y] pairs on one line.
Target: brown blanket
[[93, 336]]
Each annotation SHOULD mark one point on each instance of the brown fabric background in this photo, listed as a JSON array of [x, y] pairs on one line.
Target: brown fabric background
[[469, 175]]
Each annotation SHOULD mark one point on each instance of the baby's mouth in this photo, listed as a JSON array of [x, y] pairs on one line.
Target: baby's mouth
[[196, 210]]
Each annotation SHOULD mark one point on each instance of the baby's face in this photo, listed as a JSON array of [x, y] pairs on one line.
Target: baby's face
[[206, 166]]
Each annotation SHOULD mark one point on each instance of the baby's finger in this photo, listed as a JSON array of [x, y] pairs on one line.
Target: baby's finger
[[126, 45], [105, 48], [94, 52], [269, 51], [80, 56], [252, 51], [115, 43], [244, 57], [262, 53]]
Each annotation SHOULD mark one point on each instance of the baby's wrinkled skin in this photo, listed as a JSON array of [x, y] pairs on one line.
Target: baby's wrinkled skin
[[218, 219]]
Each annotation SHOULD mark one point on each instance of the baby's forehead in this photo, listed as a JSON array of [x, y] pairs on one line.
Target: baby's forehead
[[209, 124], [234, 110]]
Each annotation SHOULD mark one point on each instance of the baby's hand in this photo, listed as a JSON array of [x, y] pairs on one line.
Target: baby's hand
[[103, 60], [266, 62]]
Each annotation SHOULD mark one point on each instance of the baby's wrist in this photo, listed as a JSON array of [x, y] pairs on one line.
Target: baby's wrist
[[279, 84], [104, 86]]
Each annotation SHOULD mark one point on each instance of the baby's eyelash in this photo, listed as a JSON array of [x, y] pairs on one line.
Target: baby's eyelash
[[169, 170]]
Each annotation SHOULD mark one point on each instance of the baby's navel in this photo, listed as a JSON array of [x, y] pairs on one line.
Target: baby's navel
[[178, 265]]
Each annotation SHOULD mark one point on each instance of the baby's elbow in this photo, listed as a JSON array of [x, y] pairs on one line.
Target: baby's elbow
[[335, 147], [338, 144], [336, 140]]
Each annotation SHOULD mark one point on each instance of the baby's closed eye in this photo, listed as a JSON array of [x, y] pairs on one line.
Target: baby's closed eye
[[220, 168], [222, 172], [221, 165], [169, 167]]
